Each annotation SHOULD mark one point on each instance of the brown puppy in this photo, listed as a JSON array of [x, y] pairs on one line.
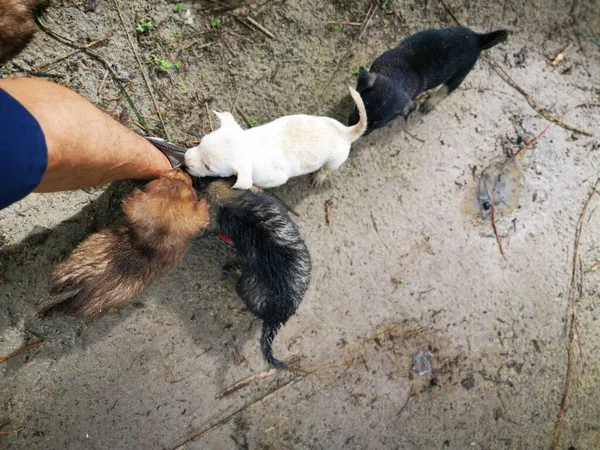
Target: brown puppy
[[17, 25], [112, 266]]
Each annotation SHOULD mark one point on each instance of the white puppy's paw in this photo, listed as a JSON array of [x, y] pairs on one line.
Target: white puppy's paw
[[241, 185], [318, 178], [244, 180]]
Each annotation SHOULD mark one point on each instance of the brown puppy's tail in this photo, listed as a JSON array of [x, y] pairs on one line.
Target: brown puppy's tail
[[488, 40], [356, 131], [63, 303]]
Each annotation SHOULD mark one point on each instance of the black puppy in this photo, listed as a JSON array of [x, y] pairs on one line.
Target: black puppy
[[421, 62], [274, 261]]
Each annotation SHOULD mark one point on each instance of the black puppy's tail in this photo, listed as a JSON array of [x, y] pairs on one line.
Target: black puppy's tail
[[269, 331], [488, 40]]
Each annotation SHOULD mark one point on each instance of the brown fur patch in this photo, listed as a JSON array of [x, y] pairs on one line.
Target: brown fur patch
[[112, 266], [17, 25]]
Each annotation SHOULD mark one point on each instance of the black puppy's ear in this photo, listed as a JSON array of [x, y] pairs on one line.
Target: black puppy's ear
[[366, 80]]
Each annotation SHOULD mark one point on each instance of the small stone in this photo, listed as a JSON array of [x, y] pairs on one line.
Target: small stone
[[468, 382]]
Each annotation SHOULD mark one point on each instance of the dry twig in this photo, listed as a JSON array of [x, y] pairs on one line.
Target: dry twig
[[241, 113], [573, 332], [376, 228], [260, 27], [101, 87], [208, 116], [22, 350], [7, 432], [238, 412], [237, 96], [514, 157], [370, 13], [194, 42], [532, 102], [71, 43], [228, 8], [560, 55], [257, 376], [141, 66], [71, 53]]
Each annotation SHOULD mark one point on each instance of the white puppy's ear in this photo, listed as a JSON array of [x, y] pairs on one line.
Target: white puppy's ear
[[226, 119]]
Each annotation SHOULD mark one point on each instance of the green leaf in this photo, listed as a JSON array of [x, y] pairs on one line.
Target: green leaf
[[143, 26]]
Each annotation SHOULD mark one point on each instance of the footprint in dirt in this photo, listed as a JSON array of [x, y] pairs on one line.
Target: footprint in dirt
[[506, 179]]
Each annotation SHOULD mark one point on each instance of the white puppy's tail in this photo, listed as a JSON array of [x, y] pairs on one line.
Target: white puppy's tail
[[356, 131]]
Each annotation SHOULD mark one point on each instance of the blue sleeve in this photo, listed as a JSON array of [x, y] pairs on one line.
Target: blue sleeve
[[23, 152]]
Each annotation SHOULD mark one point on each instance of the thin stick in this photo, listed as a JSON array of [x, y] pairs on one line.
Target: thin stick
[[69, 42], [416, 138], [539, 109], [377, 230], [367, 20], [193, 43], [506, 77], [260, 27], [257, 376], [327, 85], [237, 95], [22, 350], [573, 319], [238, 412], [146, 80], [560, 55], [517, 154], [353, 24], [239, 19], [239, 110], [208, 116], [102, 82], [71, 53], [7, 432], [228, 8], [493, 215], [451, 13]]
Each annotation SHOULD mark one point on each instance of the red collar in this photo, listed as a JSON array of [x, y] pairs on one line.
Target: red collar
[[225, 239]]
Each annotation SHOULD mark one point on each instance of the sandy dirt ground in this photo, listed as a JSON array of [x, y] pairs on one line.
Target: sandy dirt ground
[[404, 268]]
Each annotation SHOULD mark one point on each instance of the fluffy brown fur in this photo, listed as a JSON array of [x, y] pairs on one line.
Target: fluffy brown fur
[[112, 266], [17, 25]]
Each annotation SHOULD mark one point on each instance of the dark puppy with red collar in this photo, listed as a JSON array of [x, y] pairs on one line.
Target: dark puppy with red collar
[[421, 62], [272, 256]]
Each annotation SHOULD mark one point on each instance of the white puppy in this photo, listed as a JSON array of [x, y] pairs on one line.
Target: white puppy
[[267, 156]]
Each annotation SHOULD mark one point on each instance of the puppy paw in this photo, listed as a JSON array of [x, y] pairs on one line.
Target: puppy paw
[[318, 178], [426, 107]]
